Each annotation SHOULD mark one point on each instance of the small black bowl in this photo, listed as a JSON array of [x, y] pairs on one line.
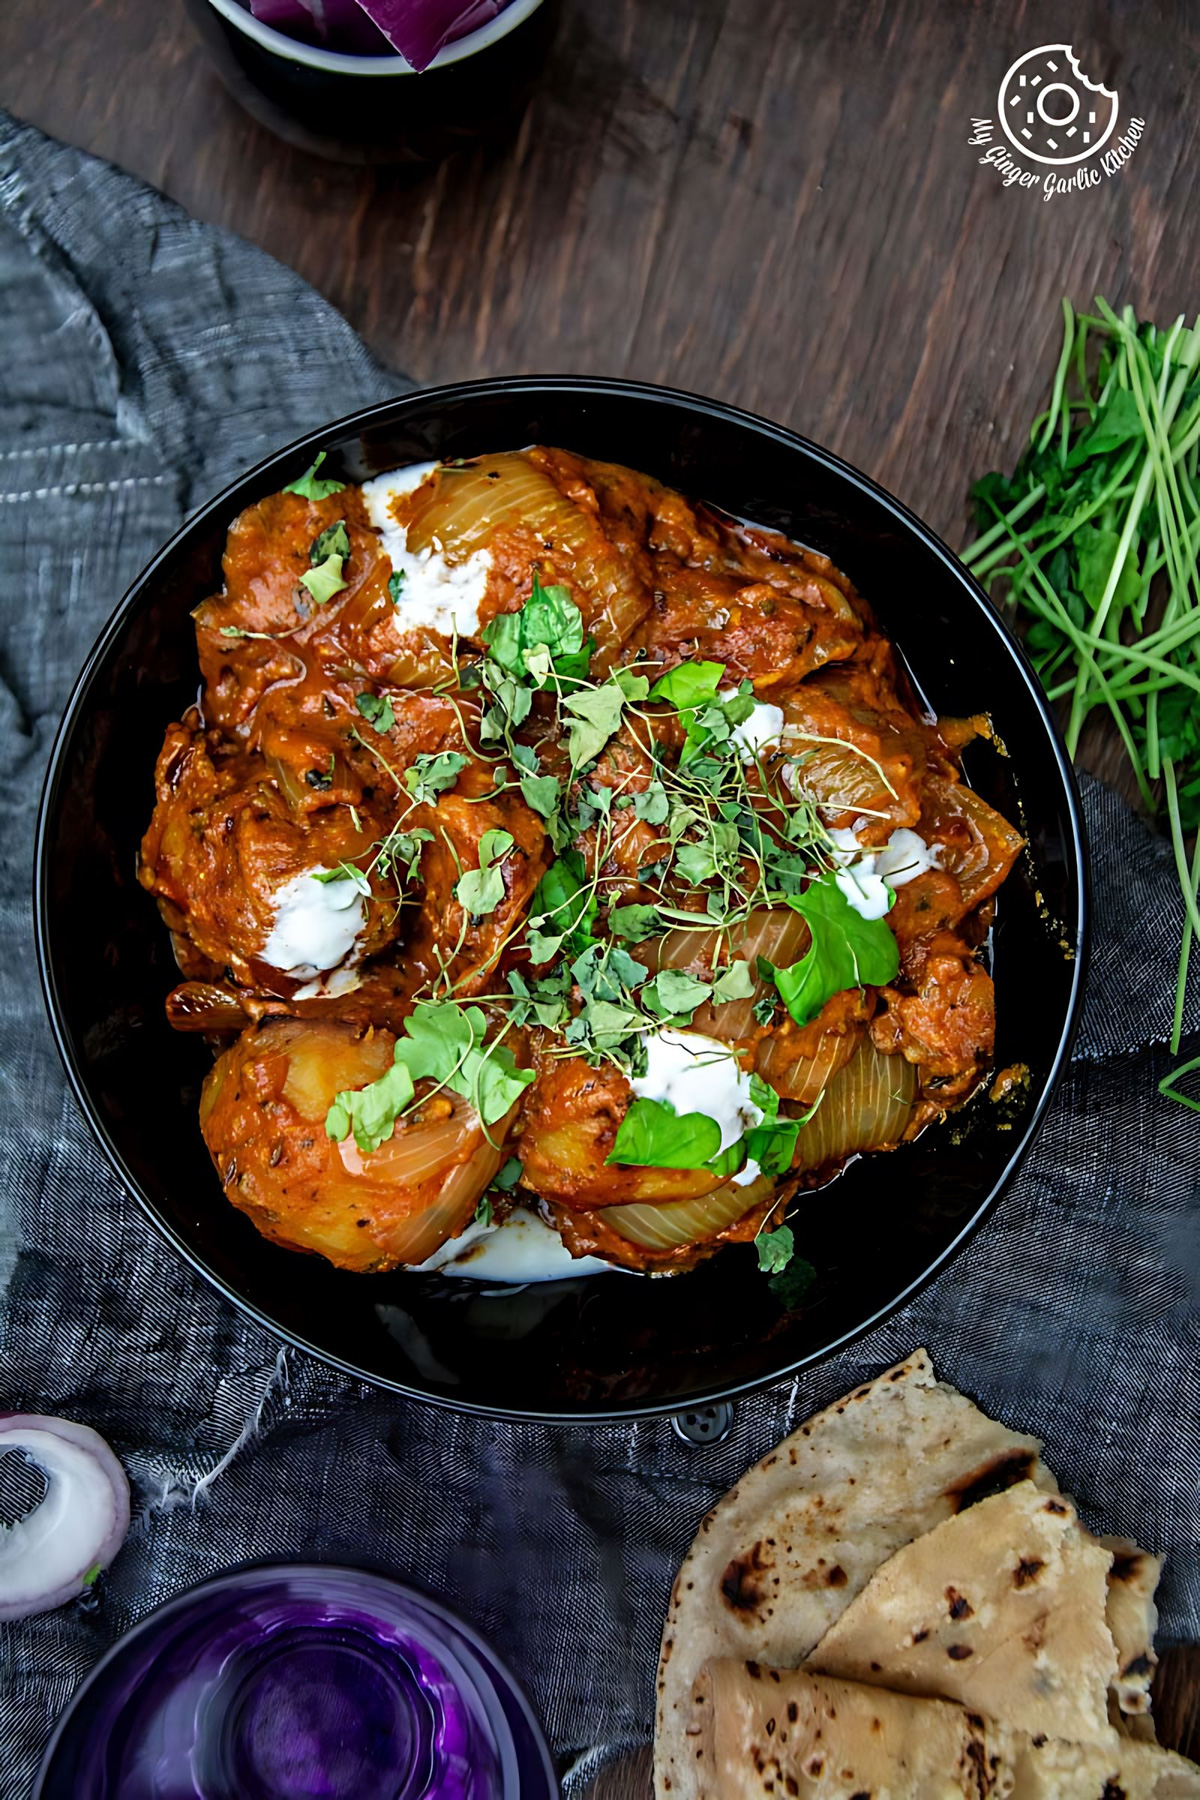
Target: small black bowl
[[608, 1346], [377, 109]]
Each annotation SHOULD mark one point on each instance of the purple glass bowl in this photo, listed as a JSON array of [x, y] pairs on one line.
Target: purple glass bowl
[[298, 1682]]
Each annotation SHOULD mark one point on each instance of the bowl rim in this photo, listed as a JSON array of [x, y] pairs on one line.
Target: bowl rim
[[342, 62], [265, 1566], [301, 452]]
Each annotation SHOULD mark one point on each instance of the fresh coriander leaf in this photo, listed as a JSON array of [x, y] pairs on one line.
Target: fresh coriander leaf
[[232, 631], [345, 872], [325, 580], [542, 944], [445, 1043], [624, 968], [652, 805], [595, 715], [1118, 422], [480, 891], [690, 685], [309, 487], [376, 711], [542, 793], [790, 1286], [775, 1249], [602, 1025], [734, 983], [1096, 552], [764, 1009], [764, 1096], [634, 923], [400, 853], [652, 1135], [507, 1177], [372, 1110], [430, 776], [333, 541], [395, 585], [846, 951], [696, 863], [673, 992], [484, 1211]]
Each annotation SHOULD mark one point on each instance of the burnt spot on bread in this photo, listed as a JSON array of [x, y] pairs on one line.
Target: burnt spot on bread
[[1139, 1665], [1113, 1790], [1126, 1565], [742, 1585], [1057, 1508], [1027, 1571], [918, 1637], [958, 1606], [836, 1577], [959, 1652], [793, 1712], [994, 1477]]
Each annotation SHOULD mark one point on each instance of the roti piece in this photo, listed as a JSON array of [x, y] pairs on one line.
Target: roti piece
[[1001, 1608], [1057, 1771], [766, 1732], [782, 1555], [762, 1734], [1133, 1620]]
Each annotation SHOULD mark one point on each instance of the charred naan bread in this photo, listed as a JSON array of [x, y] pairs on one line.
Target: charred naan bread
[[782, 1555]]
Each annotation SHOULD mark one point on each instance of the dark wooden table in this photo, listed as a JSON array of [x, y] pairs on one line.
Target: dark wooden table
[[772, 201]]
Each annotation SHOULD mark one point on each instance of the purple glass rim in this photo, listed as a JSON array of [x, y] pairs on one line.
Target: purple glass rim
[[347, 63], [97, 1707]]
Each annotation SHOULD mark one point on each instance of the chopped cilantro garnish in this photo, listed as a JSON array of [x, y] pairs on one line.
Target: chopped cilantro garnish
[[480, 891], [333, 541], [376, 710], [309, 487], [395, 584], [430, 776], [775, 1249], [325, 580]]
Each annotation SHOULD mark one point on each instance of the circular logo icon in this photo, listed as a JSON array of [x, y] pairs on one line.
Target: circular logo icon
[[1050, 111]]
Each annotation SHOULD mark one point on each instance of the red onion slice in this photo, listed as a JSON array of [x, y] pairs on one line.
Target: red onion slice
[[56, 1551], [418, 29]]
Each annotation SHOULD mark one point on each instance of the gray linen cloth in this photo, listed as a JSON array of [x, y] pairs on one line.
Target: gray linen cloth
[[149, 359]]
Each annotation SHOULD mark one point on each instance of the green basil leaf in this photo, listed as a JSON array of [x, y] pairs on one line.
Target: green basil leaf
[[371, 1110], [734, 983], [542, 793], [673, 993], [652, 1135], [846, 951], [564, 902], [652, 805], [692, 684]]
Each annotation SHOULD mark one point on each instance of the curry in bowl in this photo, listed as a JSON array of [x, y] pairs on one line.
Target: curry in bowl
[[566, 872]]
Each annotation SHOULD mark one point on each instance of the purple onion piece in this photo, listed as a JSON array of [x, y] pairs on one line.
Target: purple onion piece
[[418, 29], [56, 1551]]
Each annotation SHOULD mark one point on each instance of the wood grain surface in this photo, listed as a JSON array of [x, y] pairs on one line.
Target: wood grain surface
[[770, 201]]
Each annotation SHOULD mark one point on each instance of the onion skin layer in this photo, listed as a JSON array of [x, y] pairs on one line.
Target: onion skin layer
[[47, 1557]]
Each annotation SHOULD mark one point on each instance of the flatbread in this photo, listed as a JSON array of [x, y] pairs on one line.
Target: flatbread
[[763, 1734], [781, 1556], [1057, 1771], [1001, 1608], [1133, 1620]]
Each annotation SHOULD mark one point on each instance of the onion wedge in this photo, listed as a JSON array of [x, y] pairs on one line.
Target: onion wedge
[[866, 1105]]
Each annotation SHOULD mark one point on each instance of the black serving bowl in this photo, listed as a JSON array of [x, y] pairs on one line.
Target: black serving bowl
[[612, 1345]]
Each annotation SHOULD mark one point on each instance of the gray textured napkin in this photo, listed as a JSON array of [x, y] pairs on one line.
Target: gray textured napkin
[[148, 360]]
